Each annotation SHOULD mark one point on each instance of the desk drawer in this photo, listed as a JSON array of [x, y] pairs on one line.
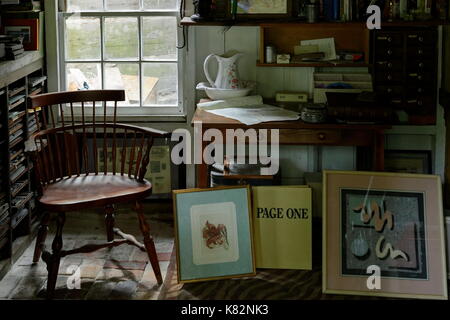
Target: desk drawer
[[304, 136]]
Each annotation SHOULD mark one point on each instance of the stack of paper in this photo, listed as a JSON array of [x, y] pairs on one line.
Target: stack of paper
[[247, 111]]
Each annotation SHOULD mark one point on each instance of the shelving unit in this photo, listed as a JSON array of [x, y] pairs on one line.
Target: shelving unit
[[18, 214]]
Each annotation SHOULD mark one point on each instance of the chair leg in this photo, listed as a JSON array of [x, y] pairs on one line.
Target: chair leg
[[41, 236], [53, 263], [109, 221], [148, 242]]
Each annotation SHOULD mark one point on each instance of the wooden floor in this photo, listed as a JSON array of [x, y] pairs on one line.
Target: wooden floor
[[118, 273]]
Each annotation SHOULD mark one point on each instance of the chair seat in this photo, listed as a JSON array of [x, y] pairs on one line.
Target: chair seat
[[80, 192]]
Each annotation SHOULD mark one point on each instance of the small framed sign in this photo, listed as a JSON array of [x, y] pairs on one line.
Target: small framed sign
[[214, 237], [261, 8], [28, 29]]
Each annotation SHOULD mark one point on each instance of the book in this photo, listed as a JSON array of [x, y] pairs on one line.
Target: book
[[307, 57], [282, 227], [13, 46], [336, 10]]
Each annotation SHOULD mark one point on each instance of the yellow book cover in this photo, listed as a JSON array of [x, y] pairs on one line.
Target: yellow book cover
[[282, 227]]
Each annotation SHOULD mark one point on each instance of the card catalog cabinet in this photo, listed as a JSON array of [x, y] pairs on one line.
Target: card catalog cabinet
[[405, 69]]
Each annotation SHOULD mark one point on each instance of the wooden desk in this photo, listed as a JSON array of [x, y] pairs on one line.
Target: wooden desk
[[301, 133]]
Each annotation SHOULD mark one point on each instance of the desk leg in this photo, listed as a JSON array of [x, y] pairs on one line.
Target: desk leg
[[378, 151], [202, 170]]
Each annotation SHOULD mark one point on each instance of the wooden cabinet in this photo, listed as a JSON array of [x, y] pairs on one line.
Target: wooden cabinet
[[18, 212], [405, 69]]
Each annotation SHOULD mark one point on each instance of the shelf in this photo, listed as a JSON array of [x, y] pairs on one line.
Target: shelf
[[12, 92], [16, 118], [18, 187], [315, 64], [15, 142], [187, 21]]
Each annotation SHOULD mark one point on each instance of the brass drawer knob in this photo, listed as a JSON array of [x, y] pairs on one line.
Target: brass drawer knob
[[321, 136]]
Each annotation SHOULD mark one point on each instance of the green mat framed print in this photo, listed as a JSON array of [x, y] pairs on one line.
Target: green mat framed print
[[383, 235], [213, 230]]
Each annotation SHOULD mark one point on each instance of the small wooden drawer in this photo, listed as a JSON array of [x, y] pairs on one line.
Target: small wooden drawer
[[419, 90], [383, 53], [412, 77], [420, 102], [420, 38], [389, 76], [420, 52], [387, 65], [303, 136], [388, 40], [390, 90], [420, 65]]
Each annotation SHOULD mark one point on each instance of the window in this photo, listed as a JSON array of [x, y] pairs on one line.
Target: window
[[124, 44]]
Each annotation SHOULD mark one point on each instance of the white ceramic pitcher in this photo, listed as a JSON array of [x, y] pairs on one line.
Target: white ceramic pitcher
[[227, 73]]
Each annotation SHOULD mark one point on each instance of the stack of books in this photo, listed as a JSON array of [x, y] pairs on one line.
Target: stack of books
[[13, 47]]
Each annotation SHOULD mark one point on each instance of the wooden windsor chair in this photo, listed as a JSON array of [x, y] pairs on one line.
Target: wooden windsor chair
[[73, 171]]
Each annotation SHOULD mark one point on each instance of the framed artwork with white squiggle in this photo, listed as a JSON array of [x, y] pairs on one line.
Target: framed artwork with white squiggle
[[384, 235]]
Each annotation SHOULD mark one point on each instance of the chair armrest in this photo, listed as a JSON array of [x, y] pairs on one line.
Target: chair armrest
[[153, 132]]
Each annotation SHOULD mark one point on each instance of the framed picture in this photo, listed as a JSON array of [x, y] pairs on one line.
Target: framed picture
[[262, 8], [214, 237], [408, 161], [26, 28], [383, 235]]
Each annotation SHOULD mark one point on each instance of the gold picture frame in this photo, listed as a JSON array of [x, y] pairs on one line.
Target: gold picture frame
[[194, 264], [419, 267]]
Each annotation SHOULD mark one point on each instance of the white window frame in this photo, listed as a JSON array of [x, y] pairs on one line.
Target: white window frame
[[132, 113]]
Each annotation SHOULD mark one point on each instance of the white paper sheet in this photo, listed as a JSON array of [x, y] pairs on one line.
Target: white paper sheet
[[233, 102], [325, 45], [250, 115]]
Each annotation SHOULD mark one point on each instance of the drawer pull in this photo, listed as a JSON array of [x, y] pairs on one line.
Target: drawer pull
[[396, 101], [321, 136], [412, 101], [413, 75], [382, 38], [420, 51], [421, 65], [389, 52], [389, 65], [412, 36], [389, 77]]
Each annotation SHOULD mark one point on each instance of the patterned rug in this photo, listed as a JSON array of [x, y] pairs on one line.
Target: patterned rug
[[268, 284]]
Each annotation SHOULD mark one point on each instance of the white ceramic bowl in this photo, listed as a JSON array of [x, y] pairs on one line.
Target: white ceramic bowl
[[222, 94]]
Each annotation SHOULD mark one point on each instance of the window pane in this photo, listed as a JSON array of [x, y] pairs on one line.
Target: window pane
[[160, 4], [159, 36], [121, 38], [122, 4], [124, 76], [83, 76], [160, 83], [82, 38], [84, 5]]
